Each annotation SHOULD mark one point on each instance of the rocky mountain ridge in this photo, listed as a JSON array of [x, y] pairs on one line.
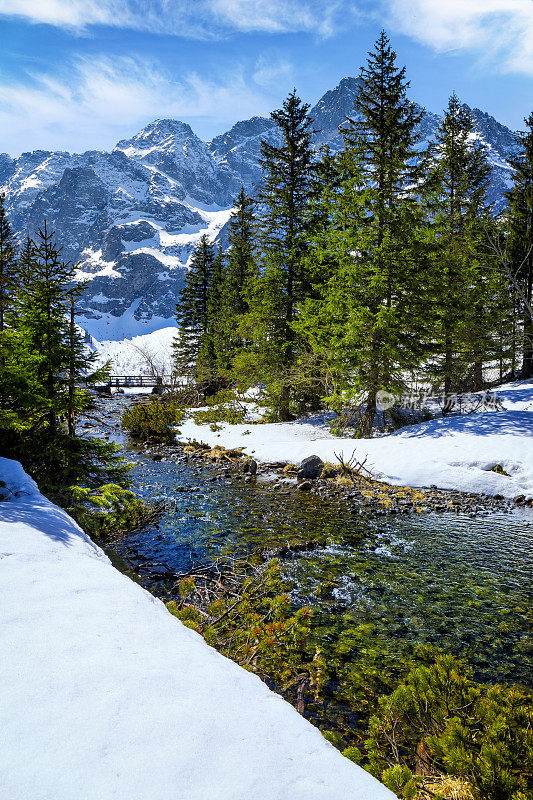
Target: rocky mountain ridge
[[131, 217]]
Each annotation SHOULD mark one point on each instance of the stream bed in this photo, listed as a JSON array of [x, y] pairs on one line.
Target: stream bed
[[457, 582]]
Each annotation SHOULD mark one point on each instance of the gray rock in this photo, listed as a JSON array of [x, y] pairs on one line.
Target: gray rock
[[310, 467], [306, 486]]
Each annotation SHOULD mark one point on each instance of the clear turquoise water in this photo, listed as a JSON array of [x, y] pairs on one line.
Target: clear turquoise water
[[460, 583]]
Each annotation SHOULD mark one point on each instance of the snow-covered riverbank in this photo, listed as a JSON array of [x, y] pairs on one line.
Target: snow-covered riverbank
[[106, 695], [456, 452]]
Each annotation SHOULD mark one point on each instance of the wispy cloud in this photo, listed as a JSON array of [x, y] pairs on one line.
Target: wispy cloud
[[98, 100], [271, 70], [500, 32], [189, 18]]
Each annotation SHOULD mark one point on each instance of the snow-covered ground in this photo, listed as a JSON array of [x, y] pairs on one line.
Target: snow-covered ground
[[149, 354], [455, 452], [105, 695]]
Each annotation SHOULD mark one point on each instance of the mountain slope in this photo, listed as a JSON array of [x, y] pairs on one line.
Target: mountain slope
[[131, 217]]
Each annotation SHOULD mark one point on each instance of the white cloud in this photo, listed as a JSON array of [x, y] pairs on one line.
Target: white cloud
[[272, 70], [192, 18], [97, 101], [277, 16], [500, 31]]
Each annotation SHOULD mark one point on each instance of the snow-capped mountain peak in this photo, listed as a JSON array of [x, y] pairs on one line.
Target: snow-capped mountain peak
[[131, 217]]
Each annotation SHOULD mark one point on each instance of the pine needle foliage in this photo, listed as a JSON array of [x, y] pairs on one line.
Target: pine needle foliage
[[254, 624], [45, 374], [369, 324], [282, 208], [194, 347], [465, 282], [520, 237], [441, 722]]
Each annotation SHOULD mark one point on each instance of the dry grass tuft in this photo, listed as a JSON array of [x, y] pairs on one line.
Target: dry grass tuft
[[447, 788]]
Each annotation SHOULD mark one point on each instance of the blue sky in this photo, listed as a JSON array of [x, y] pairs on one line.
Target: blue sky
[[81, 74]]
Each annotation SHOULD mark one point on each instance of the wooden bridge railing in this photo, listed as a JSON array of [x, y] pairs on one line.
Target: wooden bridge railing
[[134, 380], [130, 381]]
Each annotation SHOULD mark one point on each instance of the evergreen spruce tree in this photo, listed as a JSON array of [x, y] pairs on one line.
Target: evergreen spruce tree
[[371, 324], [520, 234], [283, 203], [239, 276], [194, 347], [241, 267], [464, 286], [214, 358], [44, 309], [8, 282], [42, 382], [232, 281], [8, 268]]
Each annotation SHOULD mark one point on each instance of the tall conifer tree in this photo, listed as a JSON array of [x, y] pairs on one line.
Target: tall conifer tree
[[239, 271], [194, 347], [283, 203], [370, 326], [465, 280], [520, 224], [8, 268], [44, 383]]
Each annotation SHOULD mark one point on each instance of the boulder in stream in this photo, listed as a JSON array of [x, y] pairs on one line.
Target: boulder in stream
[[310, 468]]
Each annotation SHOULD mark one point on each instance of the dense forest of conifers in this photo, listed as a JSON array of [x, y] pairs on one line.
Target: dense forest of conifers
[[369, 269], [346, 274]]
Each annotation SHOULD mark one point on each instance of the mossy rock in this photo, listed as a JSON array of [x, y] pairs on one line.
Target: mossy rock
[[330, 470], [499, 470], [236, 452]]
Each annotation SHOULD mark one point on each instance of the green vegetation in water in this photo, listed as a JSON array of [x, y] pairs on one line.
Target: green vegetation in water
[[415, 725], [108, 510], [154, 421]]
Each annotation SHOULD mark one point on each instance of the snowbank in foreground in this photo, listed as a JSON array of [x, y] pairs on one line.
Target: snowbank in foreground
[[452, 452], [106, 695]]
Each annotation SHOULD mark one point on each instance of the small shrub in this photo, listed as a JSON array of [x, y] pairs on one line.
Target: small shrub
[[439, 721], [154, 420], [254, 624], [107, 510]]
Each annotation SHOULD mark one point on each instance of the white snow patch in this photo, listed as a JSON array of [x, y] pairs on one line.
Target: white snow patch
[[103, 268], [140, 355], [454, 452], [172, 262], [106, 695]]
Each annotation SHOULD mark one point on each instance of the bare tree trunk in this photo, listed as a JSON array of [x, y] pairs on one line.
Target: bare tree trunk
[[448, 366], [367, 422], [478, 375], [300, 695], [284, 404]]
